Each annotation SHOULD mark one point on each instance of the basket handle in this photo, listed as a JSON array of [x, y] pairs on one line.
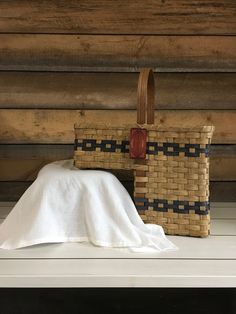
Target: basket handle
[[146, 97]]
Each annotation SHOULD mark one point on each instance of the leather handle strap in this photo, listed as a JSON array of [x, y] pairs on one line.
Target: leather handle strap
[[146, 97]]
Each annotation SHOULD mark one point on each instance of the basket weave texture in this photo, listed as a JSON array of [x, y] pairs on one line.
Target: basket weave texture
[[171, 185]]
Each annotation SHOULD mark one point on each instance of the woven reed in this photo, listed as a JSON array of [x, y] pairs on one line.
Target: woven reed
[[159, 177], [171, 185]]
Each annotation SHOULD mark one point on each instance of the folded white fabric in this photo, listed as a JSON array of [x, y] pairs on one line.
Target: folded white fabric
[[65, 204]]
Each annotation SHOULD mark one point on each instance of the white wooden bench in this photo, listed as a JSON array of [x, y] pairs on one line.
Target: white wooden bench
[[209, 262]]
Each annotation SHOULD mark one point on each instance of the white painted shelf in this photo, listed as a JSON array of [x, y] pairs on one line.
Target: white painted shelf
[[208, 262]]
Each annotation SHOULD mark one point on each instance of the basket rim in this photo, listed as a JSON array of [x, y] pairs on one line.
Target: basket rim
[[159, 128]]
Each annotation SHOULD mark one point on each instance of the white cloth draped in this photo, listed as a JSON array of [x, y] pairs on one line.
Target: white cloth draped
[[65, 204]]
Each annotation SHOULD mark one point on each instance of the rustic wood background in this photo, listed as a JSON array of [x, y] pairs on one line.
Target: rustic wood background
[[68, 61]]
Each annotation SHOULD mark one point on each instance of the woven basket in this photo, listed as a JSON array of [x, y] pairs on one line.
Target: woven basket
[[170, 165]]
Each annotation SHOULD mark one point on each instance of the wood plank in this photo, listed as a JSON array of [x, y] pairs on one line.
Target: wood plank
[[156, 17], [223, 163], [223, 210], [229, 205], [128, 273], [22, 162], [21, 170], [189, 248], [223, 227], [12, 191], [223, 150], [56, 126], [7, 204], [223, 191], [45, 151], [4, 211], [115, 90], [30, 52]]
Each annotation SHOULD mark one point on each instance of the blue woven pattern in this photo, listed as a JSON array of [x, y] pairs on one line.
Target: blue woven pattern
[[173, 149], [153, 148], [110, 146], [180, 207]]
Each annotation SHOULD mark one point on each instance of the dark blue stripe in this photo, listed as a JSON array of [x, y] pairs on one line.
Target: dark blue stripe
[[153, 148], [162, 205]]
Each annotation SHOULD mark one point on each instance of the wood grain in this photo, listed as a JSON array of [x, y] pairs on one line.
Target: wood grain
[[23, 162], [12, 191], [57, 126], [223, 191], [45, 52], [115, 90], [21, 170], [42, 151], [223, 163], [117, 17]]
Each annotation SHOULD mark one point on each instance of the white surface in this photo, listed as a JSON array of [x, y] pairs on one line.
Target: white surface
[[65, 204], [208, 262], [117, 273], [190, 248], [225, 226]]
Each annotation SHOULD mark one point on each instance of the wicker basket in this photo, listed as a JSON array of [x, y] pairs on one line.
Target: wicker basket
[[170, 165]]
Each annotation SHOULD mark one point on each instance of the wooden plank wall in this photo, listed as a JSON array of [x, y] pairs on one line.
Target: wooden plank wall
[[67, 61]]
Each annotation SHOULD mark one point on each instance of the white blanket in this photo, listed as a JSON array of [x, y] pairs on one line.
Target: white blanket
[[65, 204]]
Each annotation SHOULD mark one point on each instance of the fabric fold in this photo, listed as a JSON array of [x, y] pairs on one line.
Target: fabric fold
[[65, 204]]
